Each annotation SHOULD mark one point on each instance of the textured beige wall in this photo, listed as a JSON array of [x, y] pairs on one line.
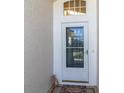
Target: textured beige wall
[[38, 65]]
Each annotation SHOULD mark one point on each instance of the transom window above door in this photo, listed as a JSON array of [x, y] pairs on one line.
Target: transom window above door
[[74, 7]]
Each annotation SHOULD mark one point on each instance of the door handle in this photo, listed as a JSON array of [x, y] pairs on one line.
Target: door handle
[[87, 52]]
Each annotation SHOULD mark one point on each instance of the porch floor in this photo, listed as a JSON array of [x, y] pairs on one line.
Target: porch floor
[[89, 89]]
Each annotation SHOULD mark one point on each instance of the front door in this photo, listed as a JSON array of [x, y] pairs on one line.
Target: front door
[[75, 52]]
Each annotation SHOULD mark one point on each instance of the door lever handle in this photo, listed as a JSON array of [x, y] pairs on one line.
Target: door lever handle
[[87, 52]]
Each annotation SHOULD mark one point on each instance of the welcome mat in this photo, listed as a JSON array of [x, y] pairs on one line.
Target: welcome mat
[[76, 89]]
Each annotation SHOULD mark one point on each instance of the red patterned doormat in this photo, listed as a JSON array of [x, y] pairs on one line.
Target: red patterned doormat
[[75, 89]]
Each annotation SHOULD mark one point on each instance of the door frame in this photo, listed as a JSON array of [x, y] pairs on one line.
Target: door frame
[[92, 19]]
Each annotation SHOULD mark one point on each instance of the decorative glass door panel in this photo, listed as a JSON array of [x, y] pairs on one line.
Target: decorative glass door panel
[[75, 52], [74, 47]]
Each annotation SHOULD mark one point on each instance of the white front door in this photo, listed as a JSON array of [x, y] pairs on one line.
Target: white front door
[[75, 52]]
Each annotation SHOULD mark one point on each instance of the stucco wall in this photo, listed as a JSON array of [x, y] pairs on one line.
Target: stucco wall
[[38, 63]]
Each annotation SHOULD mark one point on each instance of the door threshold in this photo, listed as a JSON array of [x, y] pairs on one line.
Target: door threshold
[[74, 81]]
